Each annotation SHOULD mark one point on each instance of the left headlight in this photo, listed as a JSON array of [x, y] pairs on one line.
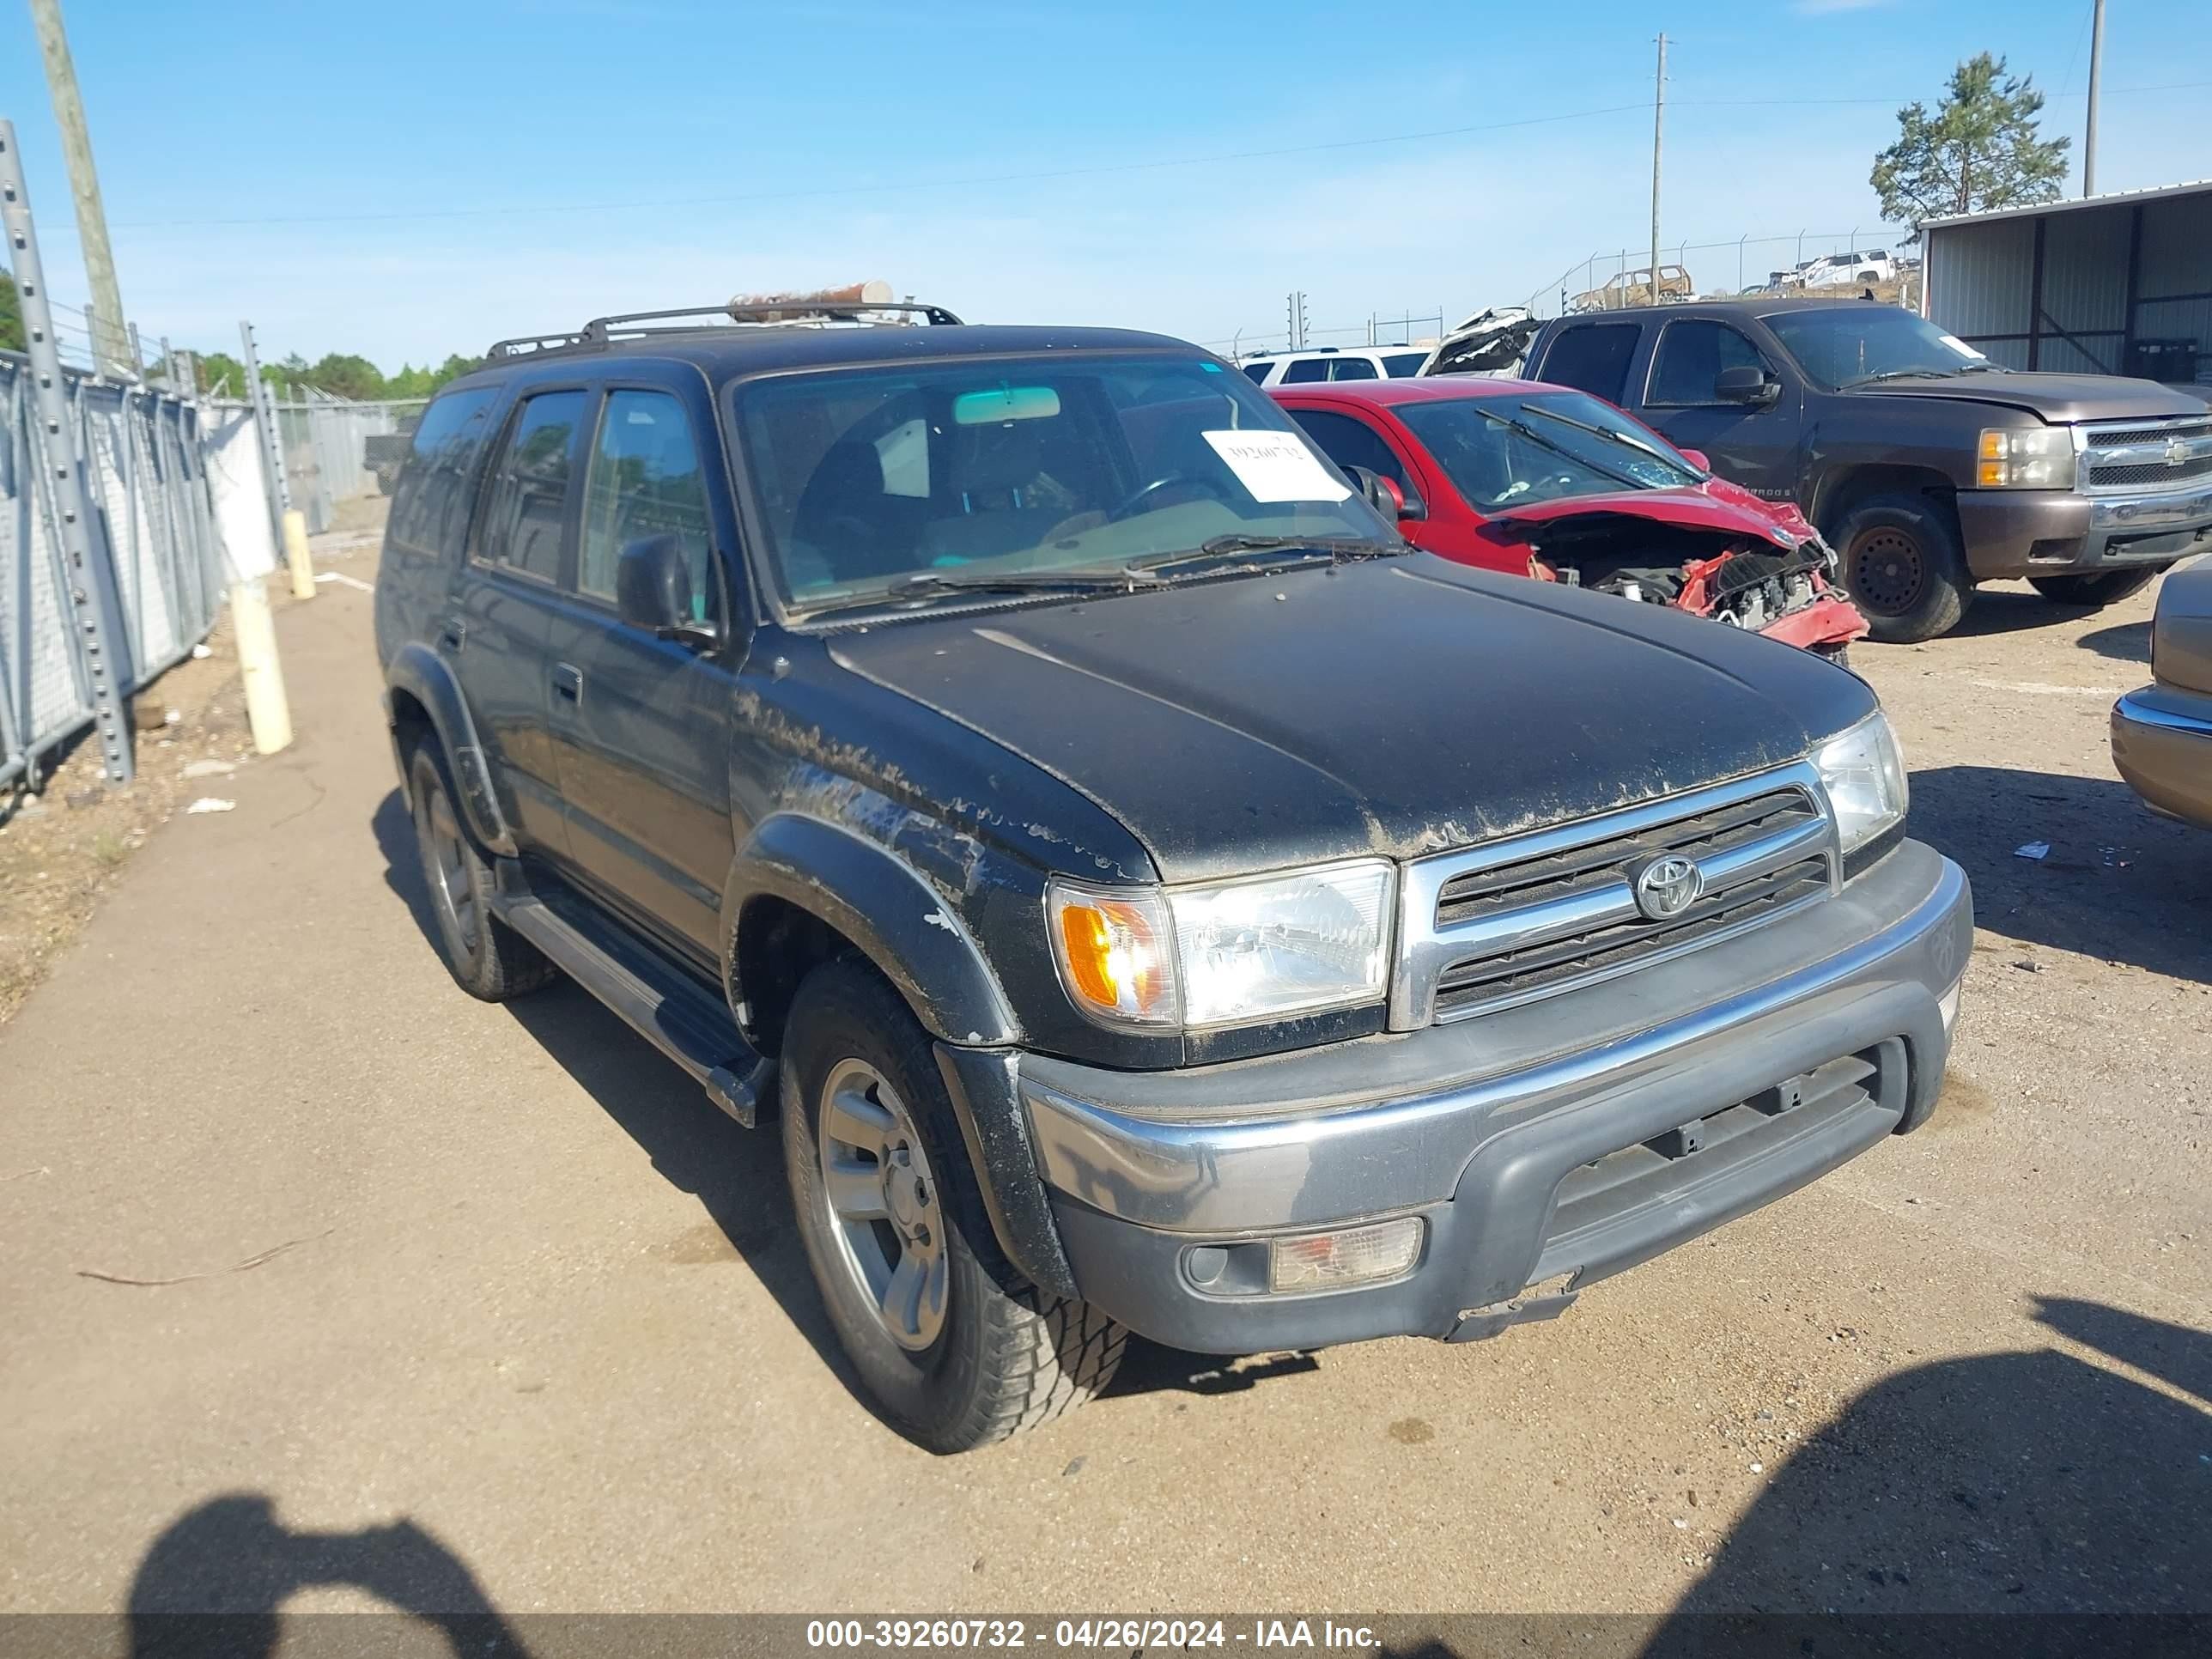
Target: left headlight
[[1223, 953], [1863, 771], [2026, 458]]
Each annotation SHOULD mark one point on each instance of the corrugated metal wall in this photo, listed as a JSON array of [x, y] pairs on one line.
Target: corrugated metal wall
[[1982, 282]]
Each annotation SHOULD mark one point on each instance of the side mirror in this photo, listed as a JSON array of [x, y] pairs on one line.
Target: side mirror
[[1697, 457], [653, 589], [1385, 497], [1747, 384]]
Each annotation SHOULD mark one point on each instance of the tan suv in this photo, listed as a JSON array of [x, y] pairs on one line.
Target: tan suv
[[2162, 734]]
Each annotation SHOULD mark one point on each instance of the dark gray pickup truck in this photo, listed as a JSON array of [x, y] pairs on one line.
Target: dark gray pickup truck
[[1926, 467], [1151, 895]]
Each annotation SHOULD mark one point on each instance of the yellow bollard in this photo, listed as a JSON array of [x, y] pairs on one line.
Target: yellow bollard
[[266, 709], [295, 555]]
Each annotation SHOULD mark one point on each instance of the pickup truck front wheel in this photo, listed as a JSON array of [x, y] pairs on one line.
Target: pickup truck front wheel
[[956, 1349], [1902, 565], [2096, 589]]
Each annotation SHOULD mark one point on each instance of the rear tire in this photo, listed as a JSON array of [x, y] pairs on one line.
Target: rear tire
[[487, 958], [2095, 590], [956, 1349], [1903, 567]]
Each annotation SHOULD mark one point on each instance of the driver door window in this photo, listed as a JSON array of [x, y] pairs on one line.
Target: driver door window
[[1692, 354]]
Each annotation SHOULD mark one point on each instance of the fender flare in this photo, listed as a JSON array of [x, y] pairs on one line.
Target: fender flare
[[424, 674], [915, 938]]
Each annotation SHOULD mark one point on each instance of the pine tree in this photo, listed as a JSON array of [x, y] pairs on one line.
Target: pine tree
[[1979, 149]]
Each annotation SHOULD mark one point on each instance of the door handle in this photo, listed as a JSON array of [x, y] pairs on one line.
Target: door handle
[[454, 634], [568, 682]]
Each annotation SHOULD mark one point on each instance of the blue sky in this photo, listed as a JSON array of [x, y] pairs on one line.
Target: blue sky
[[407, 180]]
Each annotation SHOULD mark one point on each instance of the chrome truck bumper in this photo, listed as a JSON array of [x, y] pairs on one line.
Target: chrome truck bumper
[[1560, 1141]]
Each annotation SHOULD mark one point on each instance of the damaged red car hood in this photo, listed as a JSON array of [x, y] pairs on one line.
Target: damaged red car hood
[[1697, 509]]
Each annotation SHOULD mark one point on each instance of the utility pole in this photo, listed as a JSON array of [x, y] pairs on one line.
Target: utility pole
[[94, 617], [2096, 80], [1658, 132], [109, 343]]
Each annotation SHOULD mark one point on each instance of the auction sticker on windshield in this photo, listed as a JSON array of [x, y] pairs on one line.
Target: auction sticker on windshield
[[1276, 467]]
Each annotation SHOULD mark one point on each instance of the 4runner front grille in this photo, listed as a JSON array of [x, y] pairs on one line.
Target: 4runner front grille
[[2146, 455], [1533, 915]]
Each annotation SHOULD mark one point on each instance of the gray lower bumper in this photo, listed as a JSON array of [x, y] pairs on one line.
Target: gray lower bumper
[[1534, 1143], [2020, 532]]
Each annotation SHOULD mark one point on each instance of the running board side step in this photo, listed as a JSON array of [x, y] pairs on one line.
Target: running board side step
[[659, 1001]]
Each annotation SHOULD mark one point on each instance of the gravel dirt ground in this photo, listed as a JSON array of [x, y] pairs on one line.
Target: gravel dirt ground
[[486, 1307]]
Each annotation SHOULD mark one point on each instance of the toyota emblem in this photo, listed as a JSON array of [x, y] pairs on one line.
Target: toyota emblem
[[1667, 886]]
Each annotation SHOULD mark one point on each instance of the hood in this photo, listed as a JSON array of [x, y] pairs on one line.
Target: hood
[[1690, 509], [2057, 399], [1400, 706]]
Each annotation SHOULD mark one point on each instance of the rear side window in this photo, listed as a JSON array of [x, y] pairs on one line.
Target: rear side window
[[1691, 356], [428, 510], [1352, 369], [1592, 357], [644, 480], [1306, 369], [1405, 364], [529, 504], [1257, 372]]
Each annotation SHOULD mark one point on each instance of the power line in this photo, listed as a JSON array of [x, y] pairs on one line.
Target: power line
[[1051, 175]]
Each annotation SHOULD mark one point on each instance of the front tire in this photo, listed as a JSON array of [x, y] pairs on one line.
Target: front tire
[[2095, 590], [1903, 567], [955, 1348]]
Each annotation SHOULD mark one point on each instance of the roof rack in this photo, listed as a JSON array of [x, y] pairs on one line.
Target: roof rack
[[862, 304]]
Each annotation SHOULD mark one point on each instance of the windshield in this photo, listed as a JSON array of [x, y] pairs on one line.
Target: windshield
[[967, 472], [1503, 452], [1850, 344]]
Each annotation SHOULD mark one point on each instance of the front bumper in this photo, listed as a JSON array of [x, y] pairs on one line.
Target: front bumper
[[2162, 745], [2026, 532], [1523, 1140]]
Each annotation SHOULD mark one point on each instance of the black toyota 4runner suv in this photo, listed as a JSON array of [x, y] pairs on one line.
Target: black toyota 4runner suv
[[1152, 896], [1928, 467]]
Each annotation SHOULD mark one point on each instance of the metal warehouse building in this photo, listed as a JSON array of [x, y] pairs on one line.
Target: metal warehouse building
[[2117, 284]]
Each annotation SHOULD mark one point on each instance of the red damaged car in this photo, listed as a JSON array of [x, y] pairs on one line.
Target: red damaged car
[[1544, 481]]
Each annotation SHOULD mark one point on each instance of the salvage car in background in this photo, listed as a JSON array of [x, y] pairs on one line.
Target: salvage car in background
[[1546, 482], [2162, 734], [1927, 466]]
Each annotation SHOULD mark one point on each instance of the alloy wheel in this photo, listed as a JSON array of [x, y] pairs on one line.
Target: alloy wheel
[[884, 1205], [445, 860]]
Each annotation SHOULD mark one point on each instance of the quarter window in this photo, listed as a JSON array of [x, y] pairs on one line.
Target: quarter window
[[523, 522], [1692, 354], [428, 514], [1257, 372], [1352, 369], [1592, 357], [645, 479]]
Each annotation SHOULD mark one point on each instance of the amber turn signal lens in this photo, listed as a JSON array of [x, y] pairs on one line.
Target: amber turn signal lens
[[1112, 950]]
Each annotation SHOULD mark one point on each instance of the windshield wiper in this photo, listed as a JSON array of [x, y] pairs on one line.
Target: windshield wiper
[[1906, 375], [924, 582], [1513, 424], [1295, 549], [1621, 438]]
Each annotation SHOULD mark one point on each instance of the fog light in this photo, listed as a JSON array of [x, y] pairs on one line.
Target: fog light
[[1947, 1005], [1353, 1256]]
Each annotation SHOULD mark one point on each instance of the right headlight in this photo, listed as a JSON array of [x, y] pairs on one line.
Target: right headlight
[[2026, 458], [1223, 953], [1863, 771]]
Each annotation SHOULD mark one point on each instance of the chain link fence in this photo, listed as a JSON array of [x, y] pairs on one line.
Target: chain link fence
[[328, 456], [153, 543]]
